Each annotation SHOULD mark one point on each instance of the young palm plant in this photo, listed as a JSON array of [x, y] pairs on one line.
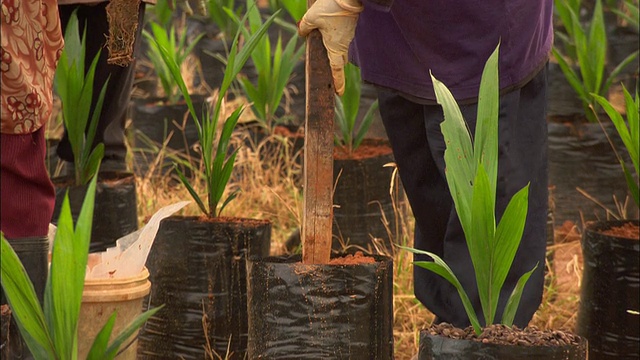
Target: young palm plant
[[51, 332], [274, 68], [177, 50], [471, 172], [347, 108], [217, 164], [587, 49], [219, 244], [74, 86]]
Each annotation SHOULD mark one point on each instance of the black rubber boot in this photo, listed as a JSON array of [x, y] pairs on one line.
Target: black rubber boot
[[33, 253]]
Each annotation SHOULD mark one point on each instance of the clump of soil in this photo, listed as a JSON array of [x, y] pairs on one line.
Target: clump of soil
[[226, 219], [369, 148], [627, 230], [503, 335], [353, 259]]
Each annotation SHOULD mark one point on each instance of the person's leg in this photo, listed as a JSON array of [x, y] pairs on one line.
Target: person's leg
[[425, 187], [110, 130]]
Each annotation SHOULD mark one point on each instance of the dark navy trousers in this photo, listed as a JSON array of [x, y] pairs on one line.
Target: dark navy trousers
[[418, 146]]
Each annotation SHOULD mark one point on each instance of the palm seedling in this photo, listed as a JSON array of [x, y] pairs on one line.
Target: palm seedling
[[274, 68], [347, 109], [471, 172], [217, 163], [74, 86]]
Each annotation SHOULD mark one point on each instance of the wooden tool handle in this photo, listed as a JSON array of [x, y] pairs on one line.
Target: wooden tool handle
[[318, 154]]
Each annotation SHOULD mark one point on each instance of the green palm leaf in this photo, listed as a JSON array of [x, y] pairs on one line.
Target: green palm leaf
[[629, 135], [439, 267], [24, 304], [514, 300], [481, 244]]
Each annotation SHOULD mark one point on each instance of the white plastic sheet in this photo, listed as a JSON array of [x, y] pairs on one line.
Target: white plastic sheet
[[129, 255]]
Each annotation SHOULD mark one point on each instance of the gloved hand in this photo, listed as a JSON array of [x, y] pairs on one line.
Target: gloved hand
[[336, 20]]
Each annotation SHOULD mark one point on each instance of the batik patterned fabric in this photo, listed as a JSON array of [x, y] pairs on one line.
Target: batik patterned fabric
[[31, 46]]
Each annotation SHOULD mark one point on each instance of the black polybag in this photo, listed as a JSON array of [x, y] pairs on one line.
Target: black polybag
[[198, 271], [363, 203], [301, 311], [610, 292]]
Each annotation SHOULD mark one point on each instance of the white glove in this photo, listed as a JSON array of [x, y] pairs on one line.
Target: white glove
[[336, 20]]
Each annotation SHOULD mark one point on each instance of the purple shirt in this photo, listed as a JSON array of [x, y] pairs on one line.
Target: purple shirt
[[397, 46]]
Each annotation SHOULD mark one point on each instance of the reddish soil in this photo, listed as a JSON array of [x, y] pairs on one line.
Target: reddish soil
[[626, 231], [504, 335], [116, 178], [369, 148], [355, 259], [230, 220]]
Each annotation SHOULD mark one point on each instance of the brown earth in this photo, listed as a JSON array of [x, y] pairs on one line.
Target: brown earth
[[503, 335], [627, 231], [355, 259], [369, 148]]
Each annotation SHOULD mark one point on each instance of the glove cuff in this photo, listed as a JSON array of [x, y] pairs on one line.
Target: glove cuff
[[354, 6]]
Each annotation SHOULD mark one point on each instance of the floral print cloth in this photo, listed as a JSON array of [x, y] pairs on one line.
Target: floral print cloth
[[31, 46]]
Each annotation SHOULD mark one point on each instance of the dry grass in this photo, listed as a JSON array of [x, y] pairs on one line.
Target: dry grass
[[269, 190], [559, 306]]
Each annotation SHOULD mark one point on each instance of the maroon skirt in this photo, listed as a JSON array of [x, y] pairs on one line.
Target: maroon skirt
[[27, 194]]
